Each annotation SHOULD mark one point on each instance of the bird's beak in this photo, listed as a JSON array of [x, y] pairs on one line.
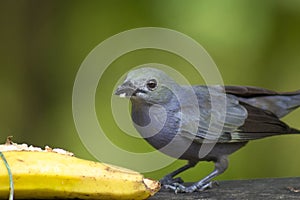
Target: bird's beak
[[127, 89]]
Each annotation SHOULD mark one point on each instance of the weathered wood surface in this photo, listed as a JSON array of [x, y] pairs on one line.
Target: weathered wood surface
[[264, 189]]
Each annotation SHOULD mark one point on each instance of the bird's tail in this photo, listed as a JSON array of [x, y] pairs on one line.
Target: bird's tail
[[289, 102], [278, 103]]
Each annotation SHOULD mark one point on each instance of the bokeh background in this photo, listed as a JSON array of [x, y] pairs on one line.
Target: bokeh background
[[43, 43]]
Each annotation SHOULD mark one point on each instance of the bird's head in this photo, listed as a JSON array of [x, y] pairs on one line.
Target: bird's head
[[146, 84]]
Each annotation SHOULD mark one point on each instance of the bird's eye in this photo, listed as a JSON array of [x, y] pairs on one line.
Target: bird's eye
[[152, 84]]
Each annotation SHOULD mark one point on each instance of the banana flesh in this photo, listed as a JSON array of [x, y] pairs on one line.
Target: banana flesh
[[47, 174]]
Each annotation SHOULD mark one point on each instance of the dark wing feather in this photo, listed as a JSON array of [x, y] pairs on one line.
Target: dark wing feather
[[260, 120], [259, 124], [264, 108]]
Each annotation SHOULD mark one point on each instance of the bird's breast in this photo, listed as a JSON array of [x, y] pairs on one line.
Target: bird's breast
[[155, 123]]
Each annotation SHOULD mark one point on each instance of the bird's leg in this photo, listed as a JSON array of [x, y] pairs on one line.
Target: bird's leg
[[221, 165], [170, 180]]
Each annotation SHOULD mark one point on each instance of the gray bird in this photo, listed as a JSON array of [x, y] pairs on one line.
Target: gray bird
[[202, 123]]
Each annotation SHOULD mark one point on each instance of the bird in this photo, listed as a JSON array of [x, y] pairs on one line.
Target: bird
[[202, 122]]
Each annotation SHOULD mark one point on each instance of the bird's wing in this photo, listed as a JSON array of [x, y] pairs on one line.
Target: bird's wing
[[260, 123], [242, 122], [219, 115]]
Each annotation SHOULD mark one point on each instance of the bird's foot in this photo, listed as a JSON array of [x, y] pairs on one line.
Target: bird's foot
[[168, 180], [179, 188]]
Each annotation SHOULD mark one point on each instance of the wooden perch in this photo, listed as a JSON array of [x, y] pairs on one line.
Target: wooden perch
[[273, 188]]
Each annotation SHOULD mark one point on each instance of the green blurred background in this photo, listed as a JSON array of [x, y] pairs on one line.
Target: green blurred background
[[43, 43]]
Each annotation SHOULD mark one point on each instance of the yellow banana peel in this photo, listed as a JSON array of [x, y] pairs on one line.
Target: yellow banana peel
[[44, 174]]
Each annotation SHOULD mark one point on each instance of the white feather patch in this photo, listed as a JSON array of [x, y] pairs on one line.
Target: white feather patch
[[123, 95]]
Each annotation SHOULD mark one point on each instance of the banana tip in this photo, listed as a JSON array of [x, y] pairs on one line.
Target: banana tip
[[152, 185]]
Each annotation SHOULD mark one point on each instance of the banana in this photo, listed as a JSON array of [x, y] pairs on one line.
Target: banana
[[48, 174]]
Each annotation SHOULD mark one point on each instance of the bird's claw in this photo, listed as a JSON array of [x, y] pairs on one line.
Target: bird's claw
[[176, 187], [179, 188]]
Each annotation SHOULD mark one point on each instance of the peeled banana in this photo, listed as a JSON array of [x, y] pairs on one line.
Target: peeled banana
[[48, 174]]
